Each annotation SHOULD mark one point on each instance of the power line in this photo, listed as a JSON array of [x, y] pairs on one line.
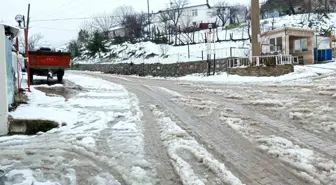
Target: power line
[[64, 19], [85, 18], [55, 28], [60, 8]]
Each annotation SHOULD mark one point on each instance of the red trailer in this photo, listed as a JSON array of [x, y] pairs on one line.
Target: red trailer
[[45, 62]]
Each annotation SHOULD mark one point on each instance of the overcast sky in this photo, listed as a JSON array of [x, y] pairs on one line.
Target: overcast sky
[[58, 33]]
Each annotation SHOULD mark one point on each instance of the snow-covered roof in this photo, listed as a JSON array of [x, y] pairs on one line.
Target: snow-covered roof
[[190, 5], [287, 28], [12, 29], [116, 28]]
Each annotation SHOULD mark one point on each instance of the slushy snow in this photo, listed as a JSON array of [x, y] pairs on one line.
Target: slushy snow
[[102, 142]]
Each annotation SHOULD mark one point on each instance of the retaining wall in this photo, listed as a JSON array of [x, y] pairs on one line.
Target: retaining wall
[[157, 69], [262, 71], [182, 69]]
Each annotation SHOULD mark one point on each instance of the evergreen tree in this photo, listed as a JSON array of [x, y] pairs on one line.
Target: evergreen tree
[[96, 44], [73, 48], [83, 36]]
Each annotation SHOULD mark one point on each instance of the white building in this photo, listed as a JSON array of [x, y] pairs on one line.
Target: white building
[[194, 14], [6, 80]]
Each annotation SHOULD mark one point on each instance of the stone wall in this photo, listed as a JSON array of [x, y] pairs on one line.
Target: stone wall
[[182, 69], [157, 69], [262, 71]]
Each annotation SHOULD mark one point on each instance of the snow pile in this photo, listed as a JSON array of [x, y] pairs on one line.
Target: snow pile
[[301, 74], [148, 52], [102, 142], [314, 116], [301, 21], [307, 164], [227, 93], [170, 92], [197, 103], [268, 102], [176, 140]]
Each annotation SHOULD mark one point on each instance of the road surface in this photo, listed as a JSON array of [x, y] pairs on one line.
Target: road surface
[[264, 134]]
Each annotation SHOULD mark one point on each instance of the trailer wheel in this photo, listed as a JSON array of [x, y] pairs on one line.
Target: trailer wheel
[[60, 75]]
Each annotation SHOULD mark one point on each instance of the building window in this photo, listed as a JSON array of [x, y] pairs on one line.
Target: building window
[[194, 12], [276, 44], [279, 43], [301, 45]]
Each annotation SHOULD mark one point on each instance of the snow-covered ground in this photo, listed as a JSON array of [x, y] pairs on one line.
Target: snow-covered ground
[[310, 165], [141, 52], [102, 142], [301, 74]]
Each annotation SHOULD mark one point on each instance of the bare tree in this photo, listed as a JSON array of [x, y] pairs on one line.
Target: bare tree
[[34, 41], [164, 19], [221, 10], [121, 12], [134, 25], [237, 12], [187, 27], [174, 13], [186, 21], [103, 22]]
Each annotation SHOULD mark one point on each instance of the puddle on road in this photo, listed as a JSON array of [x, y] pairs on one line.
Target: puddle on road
[[67, 91], [30, 127]]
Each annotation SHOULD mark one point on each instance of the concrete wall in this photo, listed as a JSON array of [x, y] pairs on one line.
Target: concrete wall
[[164, 70], [308, 56], [3, 84], [262, 71]]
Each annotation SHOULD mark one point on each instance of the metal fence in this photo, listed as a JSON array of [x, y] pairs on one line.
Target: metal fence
[[200, 55], [268, 60]]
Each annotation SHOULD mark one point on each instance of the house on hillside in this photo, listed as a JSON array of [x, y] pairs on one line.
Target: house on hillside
[[194, 13], [117, 31]]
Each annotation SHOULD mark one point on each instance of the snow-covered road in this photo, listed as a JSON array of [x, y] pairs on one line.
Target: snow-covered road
[[155, 131], [262, 134]]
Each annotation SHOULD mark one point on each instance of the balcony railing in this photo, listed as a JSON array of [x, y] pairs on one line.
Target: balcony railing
[[270, 60]]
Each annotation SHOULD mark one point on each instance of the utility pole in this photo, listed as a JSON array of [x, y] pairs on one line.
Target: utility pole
[[27, 48], [255, 24], [28, 17], [148, 17]]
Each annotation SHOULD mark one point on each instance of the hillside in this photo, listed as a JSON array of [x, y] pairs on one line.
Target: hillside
[[235, 36]]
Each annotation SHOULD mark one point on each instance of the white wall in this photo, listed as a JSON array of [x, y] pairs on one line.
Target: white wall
[[3, 85], [187, 16], [202, 16]]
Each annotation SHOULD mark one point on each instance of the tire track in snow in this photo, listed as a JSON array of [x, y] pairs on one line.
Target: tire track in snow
[[156, 152], [192, 162], [237, 154], [305, 163], [233, 149], [324, 143]]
